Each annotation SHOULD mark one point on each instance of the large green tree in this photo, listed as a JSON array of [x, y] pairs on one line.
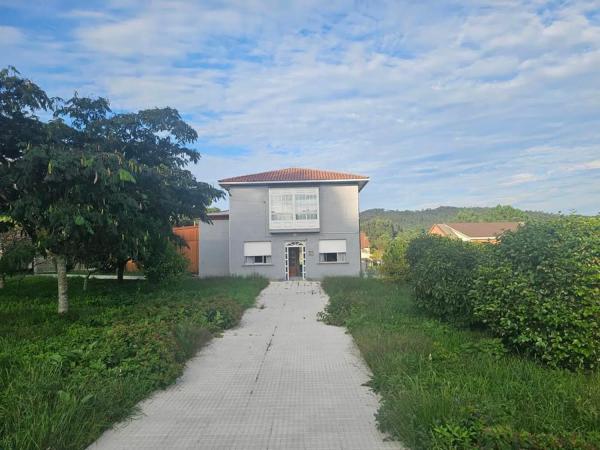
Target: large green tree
[[158, 141], [93, 186], [65, 198]]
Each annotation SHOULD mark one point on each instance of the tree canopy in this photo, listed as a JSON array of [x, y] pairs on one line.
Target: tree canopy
[[156, 142], [90, 185], [20, 101], [499, 213]]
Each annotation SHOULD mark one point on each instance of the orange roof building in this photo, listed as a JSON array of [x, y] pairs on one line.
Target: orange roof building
[[364, 240], [474, 231], [287, 224]]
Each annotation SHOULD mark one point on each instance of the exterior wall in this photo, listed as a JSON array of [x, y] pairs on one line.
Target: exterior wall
[[365, 253], [43, 265], [214, 248], [490, 240], [437, 230], [249, 221]]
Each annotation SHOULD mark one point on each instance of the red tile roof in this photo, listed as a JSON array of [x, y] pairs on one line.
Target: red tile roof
[[480, 230], [294, 174], [364, 240]]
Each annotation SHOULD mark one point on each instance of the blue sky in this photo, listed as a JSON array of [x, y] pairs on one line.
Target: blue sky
[[441, 103]]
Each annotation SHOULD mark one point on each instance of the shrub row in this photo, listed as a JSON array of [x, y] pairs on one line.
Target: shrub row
[[538, 288], [445, 387], [442, 271]]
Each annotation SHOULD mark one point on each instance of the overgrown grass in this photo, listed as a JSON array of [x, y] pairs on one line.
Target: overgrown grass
[[443, 387], [63, 380]]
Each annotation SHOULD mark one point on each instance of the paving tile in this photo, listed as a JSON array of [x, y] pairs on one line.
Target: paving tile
[[281, 380]]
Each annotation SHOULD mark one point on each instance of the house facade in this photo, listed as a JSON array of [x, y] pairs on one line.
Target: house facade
[[284, 225]]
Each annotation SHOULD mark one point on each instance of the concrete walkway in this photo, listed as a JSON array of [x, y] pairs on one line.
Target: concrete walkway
[[281, 380]]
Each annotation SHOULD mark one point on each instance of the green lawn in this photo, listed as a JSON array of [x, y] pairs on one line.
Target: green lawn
[[63, 380], [443, 387]]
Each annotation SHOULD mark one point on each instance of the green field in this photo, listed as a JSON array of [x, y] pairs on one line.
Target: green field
[[444, 387], [63, 380]]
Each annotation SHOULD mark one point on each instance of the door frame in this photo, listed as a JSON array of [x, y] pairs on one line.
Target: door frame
[[301, 245]]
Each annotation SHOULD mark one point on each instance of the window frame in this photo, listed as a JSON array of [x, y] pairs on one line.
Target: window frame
[[337, 247], [340, 258], [251, 259], [295, 223]]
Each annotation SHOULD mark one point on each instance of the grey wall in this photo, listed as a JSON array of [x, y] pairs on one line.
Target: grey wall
[[249, 221], [214, 249]]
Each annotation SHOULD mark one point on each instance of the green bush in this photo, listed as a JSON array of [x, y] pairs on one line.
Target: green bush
[[15, 256], [444, 387], [164, 263], [540, 291], [394, 265], [442, 272]]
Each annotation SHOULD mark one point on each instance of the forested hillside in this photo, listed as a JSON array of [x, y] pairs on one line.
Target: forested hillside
[[383, 225]]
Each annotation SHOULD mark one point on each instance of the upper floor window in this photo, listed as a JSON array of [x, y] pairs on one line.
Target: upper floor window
[[293, 208]]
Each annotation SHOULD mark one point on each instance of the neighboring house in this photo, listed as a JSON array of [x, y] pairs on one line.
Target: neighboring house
[[365, 251], [474, 231], [365, 246], [285, 224]]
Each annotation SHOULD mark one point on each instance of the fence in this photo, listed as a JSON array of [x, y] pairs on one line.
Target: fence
[[190, 234]]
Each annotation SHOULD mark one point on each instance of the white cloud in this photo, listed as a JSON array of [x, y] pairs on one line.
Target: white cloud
[[10, 35], [520, 178], [480, 104], [588, 165]]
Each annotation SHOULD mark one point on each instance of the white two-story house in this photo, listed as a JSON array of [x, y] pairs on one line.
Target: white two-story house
[[285, 224]]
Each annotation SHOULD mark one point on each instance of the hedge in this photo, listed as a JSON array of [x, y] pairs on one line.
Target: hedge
[[442, 271], [541, 291], [538, 289]]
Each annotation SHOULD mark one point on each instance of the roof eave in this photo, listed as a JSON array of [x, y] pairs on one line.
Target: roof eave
[[361, 182]]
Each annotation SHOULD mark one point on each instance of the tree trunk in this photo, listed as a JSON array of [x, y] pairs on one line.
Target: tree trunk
[[2, 281], [120, 270], [61, 274]]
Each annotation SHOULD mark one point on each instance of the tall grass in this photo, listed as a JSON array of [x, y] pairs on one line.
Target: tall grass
[[443, 387], [64, 380]]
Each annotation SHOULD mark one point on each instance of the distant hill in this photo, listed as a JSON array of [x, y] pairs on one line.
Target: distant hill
[[410, 220], [382, 225]]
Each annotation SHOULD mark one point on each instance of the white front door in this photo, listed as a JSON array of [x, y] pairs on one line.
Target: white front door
[[295, 253]]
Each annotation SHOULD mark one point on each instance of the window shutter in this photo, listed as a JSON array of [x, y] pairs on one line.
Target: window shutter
[[257, 249], [332, 246]]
